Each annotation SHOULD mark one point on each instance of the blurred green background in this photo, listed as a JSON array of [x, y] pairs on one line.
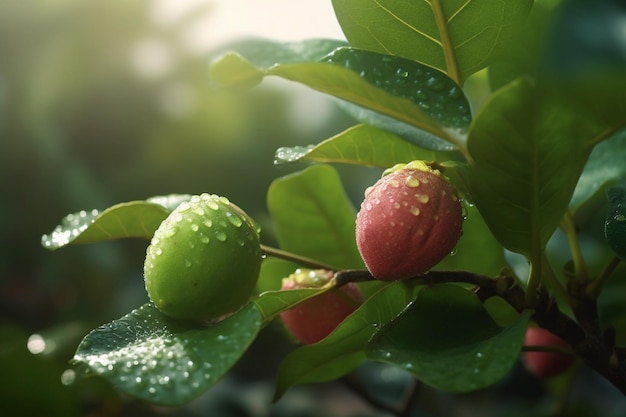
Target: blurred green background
[[100, 103]]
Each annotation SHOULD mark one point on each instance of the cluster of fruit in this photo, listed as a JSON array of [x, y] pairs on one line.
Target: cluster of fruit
[[204, 260]]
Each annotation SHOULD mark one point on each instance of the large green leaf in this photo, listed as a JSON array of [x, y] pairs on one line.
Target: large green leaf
[[342, 350], [615, 224], [313, 216], [529, 148], [457, 37], [363, 145], [137, 219], [447, 339], [395, 112], [151, 357]]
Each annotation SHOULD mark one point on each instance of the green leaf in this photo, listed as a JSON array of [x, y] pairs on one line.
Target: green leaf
[[342, 351], [432, 91], [137, 219], [615, 224], [271, 303], [457, 37], [233, 69], [264, 54], [529, 148], [313, 216], [447, 339], [477, 250], [604, 166], [149, 356], [362, 145]]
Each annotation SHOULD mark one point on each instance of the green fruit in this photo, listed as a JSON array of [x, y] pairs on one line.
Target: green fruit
[[204, 260]]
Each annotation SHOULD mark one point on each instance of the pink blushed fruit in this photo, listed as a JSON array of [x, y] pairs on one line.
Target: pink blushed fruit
[[408, 222], [312, 320], [545, 364]]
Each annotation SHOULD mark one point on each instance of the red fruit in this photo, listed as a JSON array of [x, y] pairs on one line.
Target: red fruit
[[545, 364], [409, 221], [314, 319]]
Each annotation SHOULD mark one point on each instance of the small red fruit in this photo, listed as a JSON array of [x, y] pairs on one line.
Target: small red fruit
[[409, 221], [314, 319], [545, 364]]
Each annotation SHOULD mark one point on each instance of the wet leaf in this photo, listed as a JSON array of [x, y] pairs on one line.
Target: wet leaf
[[456, 37], [447, 339], [387, 98], [134, 219], [362, 145], [615, 224], [148, 356]]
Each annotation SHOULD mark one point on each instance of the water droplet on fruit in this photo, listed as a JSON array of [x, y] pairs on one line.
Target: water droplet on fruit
[[178, 217], [415, 211], [158, 251], [184, 206], [422, 198], [187, 263], [412, 182], [396, 205], [234, 219], [221, 236], [453, 251], [213, 205], [204, 239], [198, 210], [394, 183], [195, 227], [479, 355], [208, 223]]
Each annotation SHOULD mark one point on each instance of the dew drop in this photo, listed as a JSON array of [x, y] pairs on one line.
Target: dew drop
[[208, 223], [212, 205], [178, 217], [436, 84], [187, 263], [221, 236], [396, 205], [422, 198], [204, 239], [158, 251], [415, 211], [198, 210], [234, 219], [394, 183], [412, 182]]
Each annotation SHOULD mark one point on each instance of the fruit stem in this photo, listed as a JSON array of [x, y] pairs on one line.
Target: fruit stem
[[289, 256]]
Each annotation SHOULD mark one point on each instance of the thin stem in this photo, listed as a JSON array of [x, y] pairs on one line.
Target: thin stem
[[302, 260], [569, 227], [594, 288]]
